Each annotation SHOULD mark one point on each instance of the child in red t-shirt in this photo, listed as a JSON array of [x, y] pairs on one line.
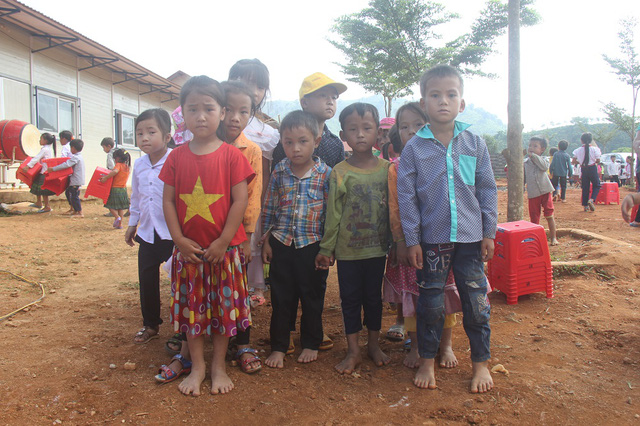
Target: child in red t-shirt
[[204, 200]]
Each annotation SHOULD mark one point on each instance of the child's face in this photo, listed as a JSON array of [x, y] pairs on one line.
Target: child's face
[[409, 123], [535, 147], [106, 148], [360, 133], [298, 144], [202, 116], [237, 115], [442, 100], [64, 141], [383, 137], [43, 141], [322, 103], [73, 150], [149, 137], [258, 92]]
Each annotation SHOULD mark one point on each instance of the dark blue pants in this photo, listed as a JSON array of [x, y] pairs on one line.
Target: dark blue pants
[[562, 180], [468, 271], [73, 196], [590, 177], [360, 284]]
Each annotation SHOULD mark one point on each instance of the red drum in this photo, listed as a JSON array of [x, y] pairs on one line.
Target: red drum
[[22, 136]]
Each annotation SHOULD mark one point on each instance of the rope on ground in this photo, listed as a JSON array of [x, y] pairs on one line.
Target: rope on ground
[[35, 284]]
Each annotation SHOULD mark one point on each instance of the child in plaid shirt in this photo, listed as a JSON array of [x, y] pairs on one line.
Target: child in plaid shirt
[[293, 221]]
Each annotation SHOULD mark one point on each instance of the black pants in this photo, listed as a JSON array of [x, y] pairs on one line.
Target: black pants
[[150, 257], [73, 197], [563, 185], [360, 284], [294, 276], [615, 179], [590, 177]]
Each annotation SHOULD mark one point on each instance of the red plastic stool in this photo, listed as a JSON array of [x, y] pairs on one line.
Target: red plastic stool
[[521, 263], [608, 194]]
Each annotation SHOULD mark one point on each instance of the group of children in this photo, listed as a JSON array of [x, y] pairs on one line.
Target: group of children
[[315, 209]]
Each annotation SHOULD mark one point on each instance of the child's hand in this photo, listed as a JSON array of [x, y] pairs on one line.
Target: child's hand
[[414, 255], [267, 252], [246, 248], [486, 249], [402, 253], [130, 234], [25, 169], [627, 205], [190, 250], [215, 251], [324, 262], [102, 179]]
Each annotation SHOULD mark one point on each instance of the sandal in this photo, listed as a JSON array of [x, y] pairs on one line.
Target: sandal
[[167, 375], [257, 300], [292, 348], [326, 344], [176, 339], [396, 333], [245, 363], [145, 334], [407, 345]]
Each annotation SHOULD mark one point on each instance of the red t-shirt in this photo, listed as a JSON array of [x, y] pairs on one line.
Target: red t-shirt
[[203, 190]]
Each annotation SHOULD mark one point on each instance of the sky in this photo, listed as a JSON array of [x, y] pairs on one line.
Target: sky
[[563, 73]]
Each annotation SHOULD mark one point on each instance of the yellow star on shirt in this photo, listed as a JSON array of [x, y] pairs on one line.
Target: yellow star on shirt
[[198, 202]]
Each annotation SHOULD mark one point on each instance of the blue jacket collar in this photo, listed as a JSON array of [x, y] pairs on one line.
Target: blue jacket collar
[[426, 132]]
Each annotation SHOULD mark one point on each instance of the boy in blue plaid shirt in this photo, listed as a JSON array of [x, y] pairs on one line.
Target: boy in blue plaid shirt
[[293, 221]]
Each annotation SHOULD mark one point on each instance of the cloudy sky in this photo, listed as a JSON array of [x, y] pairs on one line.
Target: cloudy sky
[[563, 73]]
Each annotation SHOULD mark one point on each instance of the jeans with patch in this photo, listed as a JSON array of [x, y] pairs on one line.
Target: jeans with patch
[[468, 271]]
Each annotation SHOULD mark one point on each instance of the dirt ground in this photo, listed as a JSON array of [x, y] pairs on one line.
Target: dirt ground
[[573, 359]]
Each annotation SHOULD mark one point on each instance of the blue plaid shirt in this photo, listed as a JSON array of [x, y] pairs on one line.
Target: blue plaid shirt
[[294, 208], [447, 194]]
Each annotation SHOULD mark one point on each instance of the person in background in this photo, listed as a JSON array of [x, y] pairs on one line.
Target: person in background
[[76, 180], [560, 168], [47, 141]]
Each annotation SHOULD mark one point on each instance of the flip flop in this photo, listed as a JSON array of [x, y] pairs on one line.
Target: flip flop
[[292, 348], [144, 333], [396, 333], [176, 339], [326, 344], [169, 374], [257, 300]]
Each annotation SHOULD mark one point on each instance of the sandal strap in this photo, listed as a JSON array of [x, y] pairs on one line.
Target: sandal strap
[[250, 360], [183, 361], [168, 373], [246, 351]]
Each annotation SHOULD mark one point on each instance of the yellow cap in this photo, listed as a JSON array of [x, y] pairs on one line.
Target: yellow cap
[[317, 81]]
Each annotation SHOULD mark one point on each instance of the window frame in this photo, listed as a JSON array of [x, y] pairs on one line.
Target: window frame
[[75, 116], [119, 137]]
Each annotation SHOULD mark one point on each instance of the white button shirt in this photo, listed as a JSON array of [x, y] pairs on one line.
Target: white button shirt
[[146, 199]]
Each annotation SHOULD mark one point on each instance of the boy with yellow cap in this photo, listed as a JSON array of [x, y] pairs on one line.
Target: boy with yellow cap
[[319, 96]]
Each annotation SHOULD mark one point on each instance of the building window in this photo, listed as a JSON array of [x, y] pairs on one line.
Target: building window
[[125, 129], [15, 100], [56, 112]]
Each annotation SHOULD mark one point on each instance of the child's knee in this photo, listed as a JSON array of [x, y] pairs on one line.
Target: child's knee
[[480, 306]]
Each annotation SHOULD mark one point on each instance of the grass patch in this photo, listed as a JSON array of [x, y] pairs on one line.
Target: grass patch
[[132, 285]]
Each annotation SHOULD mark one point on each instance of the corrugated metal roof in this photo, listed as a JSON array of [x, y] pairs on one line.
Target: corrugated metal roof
[[49, 34]]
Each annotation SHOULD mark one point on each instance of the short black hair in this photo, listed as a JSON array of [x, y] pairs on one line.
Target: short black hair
[[542, 141], [361, 108], [439, 71], [66, 134], [394, 138], [300, 119], [77, 144], [553, 150], [563, 145], [108, 142]]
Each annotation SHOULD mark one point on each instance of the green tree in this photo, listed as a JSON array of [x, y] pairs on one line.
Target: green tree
[[627, 68], [389, 44]]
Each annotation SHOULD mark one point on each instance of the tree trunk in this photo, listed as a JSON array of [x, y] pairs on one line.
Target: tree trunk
[[387, 105], [515, 183]]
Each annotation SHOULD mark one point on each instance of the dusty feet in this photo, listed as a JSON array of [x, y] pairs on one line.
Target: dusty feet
[[349, 363], [554, 242], [220, 382], [412, 359], [276, 359], [447, 357], [378, 357], [425, 378], [191, 385], [481, 381], [76, 215], [308, 355]]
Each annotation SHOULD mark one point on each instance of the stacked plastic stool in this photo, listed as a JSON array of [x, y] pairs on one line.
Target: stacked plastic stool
[[608, 194], [521, 263]]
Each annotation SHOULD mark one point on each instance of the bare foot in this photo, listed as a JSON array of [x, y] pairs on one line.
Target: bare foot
[[412, 359], [191, 385], [308, 355], [481, 381], [447, 357], [378, 357], [349, 363], [220, 382], [275, 360], [425, 378], [554, 242], [77, 215]]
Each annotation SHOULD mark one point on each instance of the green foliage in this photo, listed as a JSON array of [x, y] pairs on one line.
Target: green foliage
[[389, 44], [619, 117]]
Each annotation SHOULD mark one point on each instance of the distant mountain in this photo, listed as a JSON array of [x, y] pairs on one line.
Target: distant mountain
[[483, 122]]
